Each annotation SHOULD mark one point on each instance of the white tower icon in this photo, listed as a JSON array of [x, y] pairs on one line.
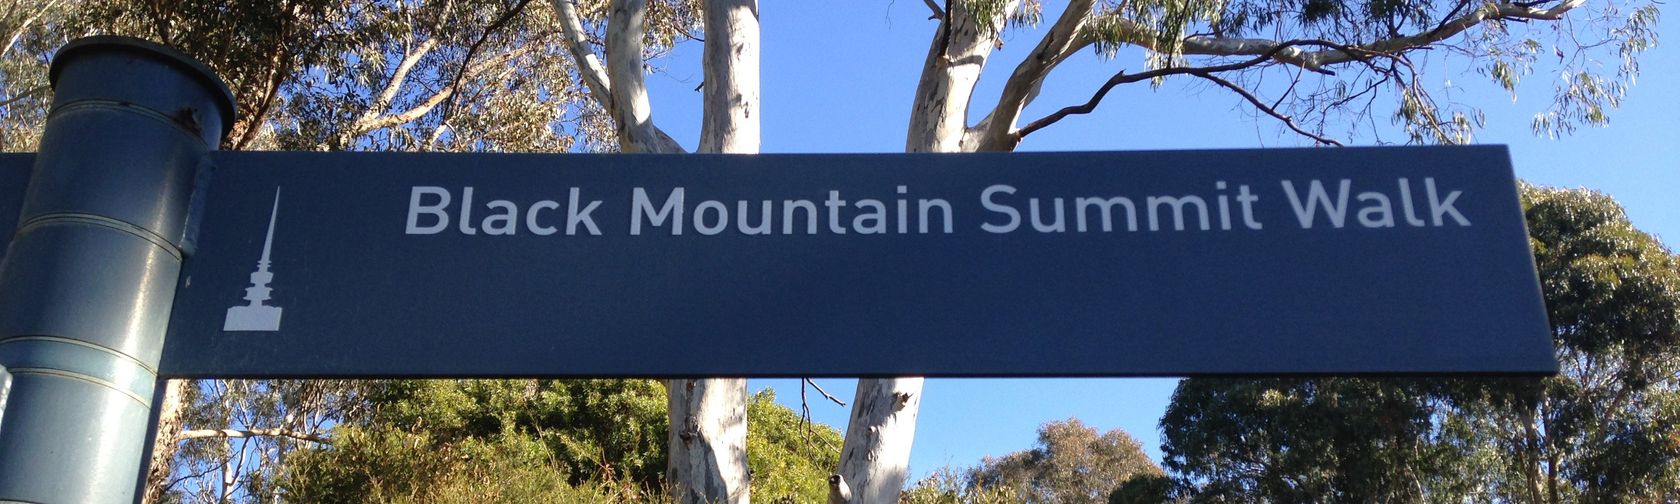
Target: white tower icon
[[257, 316]]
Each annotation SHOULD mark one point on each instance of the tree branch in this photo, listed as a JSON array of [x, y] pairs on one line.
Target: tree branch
[[1060, 42], [280, 66], [410, 58], [425, 106], [1268, 109], [1137, 34], [824, 393], [939, 115], [938, 12], [18, 31], [252, 433], [583, 54], [372, 118], [25, 94], [472, 50], [996, 131], [628, 100], [1124, 78]]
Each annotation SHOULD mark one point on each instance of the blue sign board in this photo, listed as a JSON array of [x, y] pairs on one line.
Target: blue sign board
[[1240, 262]]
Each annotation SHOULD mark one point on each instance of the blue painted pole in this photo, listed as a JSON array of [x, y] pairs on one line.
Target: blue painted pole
[[5, 390], [87, 283]]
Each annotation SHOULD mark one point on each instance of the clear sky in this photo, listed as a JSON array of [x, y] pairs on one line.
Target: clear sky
[[839, 78]]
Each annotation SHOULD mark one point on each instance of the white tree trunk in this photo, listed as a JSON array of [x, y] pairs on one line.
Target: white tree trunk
[[876, 458], [708, 440], [628, 100], [996, 131], [960, 48], [730, 120]]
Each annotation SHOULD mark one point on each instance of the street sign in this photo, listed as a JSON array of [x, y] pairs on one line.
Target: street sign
[[1278, 261]]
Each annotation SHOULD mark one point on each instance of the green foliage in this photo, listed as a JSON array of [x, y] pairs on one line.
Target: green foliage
[[1601, 431], [944, 486], [24, 92], [324, 74], [1071, 464], [1148, 489], [442, 441], [380, 466], [994, 16], [1396, 42], [300, 406], [423, 436], [790, 458], [1323, 440]]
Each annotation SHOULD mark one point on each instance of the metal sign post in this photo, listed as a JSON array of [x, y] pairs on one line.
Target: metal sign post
[[88, 279]]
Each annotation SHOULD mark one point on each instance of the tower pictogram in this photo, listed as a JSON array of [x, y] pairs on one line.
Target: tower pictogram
[[257, 316]]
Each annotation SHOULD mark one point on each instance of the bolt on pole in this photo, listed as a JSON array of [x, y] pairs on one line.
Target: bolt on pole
[[89, 278]]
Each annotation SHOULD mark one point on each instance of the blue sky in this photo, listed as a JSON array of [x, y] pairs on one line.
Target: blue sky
[[839, 78]]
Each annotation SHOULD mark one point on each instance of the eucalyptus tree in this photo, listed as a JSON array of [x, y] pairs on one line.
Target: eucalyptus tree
[[1326, 70], [1072, 464], [24, 92], [516, 441], [1600, 431]]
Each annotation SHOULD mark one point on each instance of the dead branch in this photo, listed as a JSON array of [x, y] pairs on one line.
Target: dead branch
[[824, 393], [1124, 78], [1268, 109], [252, 433]]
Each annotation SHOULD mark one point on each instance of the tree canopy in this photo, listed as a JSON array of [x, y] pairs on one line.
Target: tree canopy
[[1600, 431], [1072, 463], [437, 441]]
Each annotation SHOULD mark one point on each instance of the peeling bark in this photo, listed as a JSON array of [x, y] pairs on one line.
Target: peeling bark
[[628, 101], [838, 492], [251, 433], [876, 457], [1064, 38], [577, 42], [708, 440], [730, 120], [939, 116]]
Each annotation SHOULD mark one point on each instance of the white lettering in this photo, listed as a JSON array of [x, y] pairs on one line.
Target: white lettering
[[1316, 196], [1177, 204], [502, 224], [1380, 214], [717, 225], [1439, 207], [531, 218], [639, 204], [1107, 208], [986, 201], [575, 217], [416, 209]]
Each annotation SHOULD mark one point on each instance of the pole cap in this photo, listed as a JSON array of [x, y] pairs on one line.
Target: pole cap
[[198, 70]]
